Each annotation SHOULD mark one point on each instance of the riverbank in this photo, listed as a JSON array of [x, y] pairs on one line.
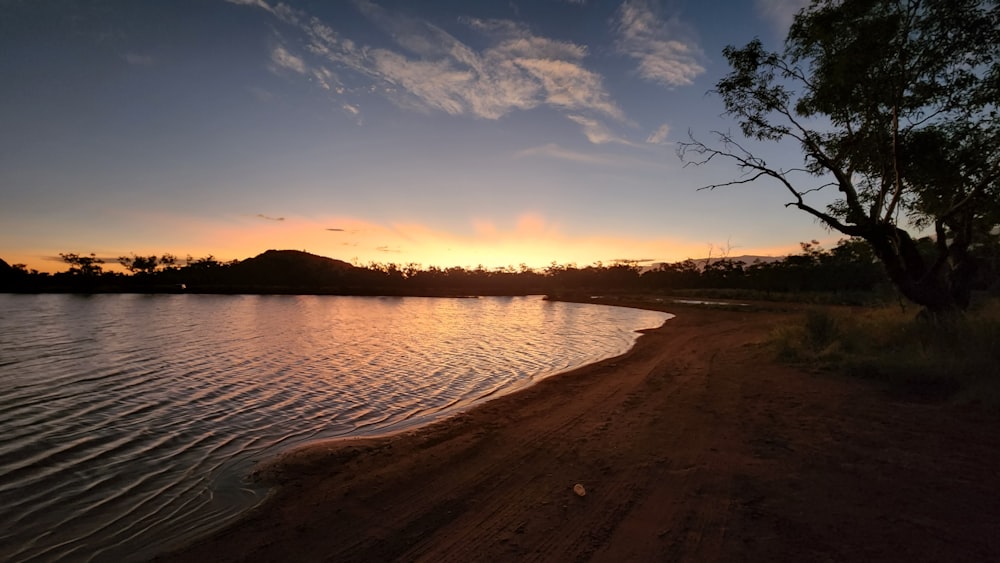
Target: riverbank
[[693, 446]]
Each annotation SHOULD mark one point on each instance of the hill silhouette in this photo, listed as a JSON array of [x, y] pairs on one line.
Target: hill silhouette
[[7, 272], [291, 269]]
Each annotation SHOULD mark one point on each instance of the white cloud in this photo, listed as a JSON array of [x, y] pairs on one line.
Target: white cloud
[[324, 77], [515, 40], [664, 48], [436, 83], [552, 150], [659, 136], [413, 34], [283, 59], [779, 13], [519, 71], [433, 71], [570, 86], [257, 3], [287, 14], [596, 131], [282, 11]]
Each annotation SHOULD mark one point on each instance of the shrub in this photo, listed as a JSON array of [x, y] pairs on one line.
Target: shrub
[[932, 360]]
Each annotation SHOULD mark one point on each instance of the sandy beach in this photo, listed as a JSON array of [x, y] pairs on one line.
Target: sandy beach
[[693, 446]]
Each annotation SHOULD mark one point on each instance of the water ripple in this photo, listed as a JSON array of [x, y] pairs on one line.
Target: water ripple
[[127, 423]]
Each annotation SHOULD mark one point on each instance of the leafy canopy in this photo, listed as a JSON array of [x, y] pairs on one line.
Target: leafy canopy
[[894, 104]]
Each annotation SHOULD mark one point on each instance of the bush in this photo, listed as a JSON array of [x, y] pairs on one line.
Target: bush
[[956, 357]]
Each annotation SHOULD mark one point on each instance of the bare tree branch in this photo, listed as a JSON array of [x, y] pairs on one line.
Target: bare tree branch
[[756, 169]]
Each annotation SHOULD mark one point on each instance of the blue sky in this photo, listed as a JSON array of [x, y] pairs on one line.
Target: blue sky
[[447, 133]]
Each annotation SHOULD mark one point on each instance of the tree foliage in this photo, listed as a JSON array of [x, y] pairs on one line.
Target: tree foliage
[[139, 264], [83, 266], [893, 104], [147, 264]]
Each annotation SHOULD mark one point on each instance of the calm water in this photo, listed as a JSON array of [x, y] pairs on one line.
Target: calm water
[[127, 422]]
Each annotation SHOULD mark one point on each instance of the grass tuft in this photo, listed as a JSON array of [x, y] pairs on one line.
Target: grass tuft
[[957, 358]]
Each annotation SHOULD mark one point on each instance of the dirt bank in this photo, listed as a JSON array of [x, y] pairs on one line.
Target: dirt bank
[[694, 446]]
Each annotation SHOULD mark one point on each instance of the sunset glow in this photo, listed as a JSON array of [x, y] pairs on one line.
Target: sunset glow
[[477, 134]]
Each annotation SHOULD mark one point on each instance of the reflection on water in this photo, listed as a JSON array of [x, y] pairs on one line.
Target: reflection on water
[[127, 421], [704, 302]]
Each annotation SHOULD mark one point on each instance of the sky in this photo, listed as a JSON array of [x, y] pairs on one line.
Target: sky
[[448, 133]]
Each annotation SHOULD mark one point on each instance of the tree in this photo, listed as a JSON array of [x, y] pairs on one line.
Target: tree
[[894, 105], [84, 266], [139, 264], [205, 263], [150, 264], [168, 261]]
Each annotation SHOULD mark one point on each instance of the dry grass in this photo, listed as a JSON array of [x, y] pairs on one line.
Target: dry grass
[[958, 358]]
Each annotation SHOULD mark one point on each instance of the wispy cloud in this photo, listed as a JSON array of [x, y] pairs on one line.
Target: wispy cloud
[[659, 136], [570, 86], [779, 13], [286, 60], [269, 218], [325, 78], [665, 49], [261, 94], [552, 150], [432, 70], [597, 132], [334, 229], [257, 3]]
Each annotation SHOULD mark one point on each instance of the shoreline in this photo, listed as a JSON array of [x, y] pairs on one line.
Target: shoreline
[[693, 445]]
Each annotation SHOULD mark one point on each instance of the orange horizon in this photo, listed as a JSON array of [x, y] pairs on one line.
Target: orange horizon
[[52, 264], [529, 238]]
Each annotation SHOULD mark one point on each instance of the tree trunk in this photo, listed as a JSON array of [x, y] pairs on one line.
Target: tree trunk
[[940, 291]]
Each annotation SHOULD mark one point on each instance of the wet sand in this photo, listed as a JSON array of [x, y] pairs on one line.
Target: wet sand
[[693, 446]]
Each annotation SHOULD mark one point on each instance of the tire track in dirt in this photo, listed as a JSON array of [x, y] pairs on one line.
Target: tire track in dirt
[[611, 498]]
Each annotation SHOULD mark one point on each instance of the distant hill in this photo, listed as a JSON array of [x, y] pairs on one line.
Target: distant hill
[[6, 270], [10, 276], [290, 268]]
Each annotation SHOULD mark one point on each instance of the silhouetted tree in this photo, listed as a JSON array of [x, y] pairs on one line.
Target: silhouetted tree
[[894, 105], [139, 264], [168, 261], [84, 266], [206, 263], [724, 272]]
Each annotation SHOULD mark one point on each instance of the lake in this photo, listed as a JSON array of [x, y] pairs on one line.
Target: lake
[[129, 422]]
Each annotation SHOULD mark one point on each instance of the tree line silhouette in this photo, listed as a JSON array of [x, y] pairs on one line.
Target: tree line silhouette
[[850, 268]]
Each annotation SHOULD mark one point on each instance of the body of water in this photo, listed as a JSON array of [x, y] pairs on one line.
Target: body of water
[[128, 422]]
